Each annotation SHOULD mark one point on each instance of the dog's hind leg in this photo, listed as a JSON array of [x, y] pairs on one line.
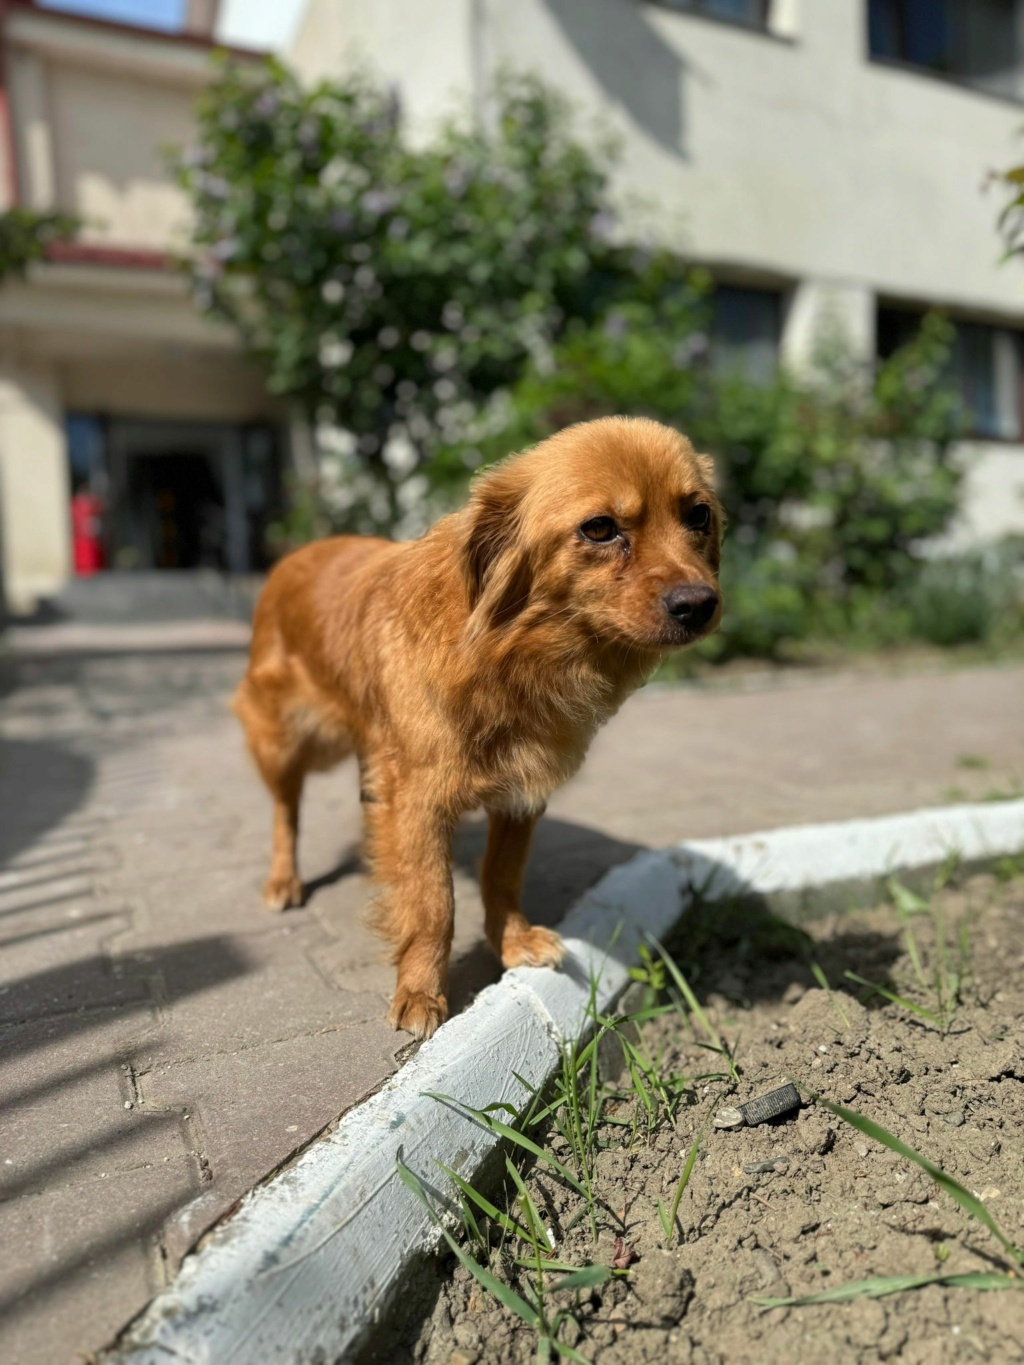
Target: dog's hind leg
[[281, 761], [516, 942], [283, 887]]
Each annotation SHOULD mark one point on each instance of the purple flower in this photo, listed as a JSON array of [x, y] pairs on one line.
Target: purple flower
[[689, 350], [268, 104], [308, 137], [378, 202], [602, 226], [214, 186], [456, 181]]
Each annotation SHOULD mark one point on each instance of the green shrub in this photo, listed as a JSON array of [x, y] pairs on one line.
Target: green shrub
[[389, 286], [831, 483], [432, 305], [968, 599]]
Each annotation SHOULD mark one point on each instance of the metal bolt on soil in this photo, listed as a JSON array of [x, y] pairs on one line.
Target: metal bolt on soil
[[760, 1110]]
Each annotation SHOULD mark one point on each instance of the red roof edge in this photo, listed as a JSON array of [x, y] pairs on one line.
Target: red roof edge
[[131, 258]]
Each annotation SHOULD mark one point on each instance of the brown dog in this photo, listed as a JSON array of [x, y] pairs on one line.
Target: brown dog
[[472, 667]]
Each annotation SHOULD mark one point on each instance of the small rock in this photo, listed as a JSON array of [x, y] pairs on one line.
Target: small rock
[[778, 1163], [127, 1104], [861, 1148]]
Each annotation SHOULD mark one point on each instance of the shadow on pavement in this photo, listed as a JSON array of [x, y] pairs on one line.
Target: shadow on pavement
[[55, 1004], [76, 1004], [42, 782]]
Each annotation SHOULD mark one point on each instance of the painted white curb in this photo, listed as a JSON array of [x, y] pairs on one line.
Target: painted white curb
[[312, 1258]]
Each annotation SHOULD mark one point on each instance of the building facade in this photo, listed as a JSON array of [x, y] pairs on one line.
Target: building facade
[[111, 383], [825, 159]]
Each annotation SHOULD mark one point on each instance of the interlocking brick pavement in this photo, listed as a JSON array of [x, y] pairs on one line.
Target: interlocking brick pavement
[[165, 1043]]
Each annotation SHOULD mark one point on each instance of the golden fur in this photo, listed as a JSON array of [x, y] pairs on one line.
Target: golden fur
[[472, 667]]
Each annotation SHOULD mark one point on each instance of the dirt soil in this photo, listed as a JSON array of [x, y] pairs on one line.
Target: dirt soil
[[837, 1207]]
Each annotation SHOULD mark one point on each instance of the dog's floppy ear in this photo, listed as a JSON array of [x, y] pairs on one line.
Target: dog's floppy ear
[[496, 569]]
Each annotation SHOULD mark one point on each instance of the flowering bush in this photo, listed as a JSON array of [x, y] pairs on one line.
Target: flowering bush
[[832, 483], [431, 306], [391, 288]]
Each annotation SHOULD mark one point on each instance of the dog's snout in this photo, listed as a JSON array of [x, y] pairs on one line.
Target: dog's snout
[[691, 604]]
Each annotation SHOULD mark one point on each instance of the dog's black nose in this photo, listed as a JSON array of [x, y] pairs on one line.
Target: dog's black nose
[[691, 604]]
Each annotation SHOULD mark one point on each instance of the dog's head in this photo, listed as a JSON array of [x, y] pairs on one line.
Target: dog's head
[[610, 530]]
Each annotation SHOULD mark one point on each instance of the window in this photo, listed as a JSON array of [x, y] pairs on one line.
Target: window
[[986, 367], [980, 42], [753, 13], [745, 327]]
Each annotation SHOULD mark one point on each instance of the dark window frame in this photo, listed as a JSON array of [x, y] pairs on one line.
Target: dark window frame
[[901, 321], [774, 301], [696, 9], [956, 80]]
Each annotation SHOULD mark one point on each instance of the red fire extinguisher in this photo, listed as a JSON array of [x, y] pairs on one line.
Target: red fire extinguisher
[[87, 532]]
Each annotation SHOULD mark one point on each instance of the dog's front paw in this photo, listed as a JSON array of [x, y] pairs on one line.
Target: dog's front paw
[[532, 948], [282, 892], [417, 1012]]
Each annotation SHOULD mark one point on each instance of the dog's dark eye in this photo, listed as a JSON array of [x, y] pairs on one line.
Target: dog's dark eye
[[698, 517], [599, 529]]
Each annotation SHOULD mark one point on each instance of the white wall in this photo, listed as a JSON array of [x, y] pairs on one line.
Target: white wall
[[787, 154], [992, 493], [110, 132], [34, 492], [93, 111], [429, 50], [793, 155]]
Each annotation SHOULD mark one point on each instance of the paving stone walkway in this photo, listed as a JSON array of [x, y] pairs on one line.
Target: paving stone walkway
[[165, 1043]]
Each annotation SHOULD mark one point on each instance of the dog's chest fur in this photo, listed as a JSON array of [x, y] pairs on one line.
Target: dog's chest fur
[[525, 744]]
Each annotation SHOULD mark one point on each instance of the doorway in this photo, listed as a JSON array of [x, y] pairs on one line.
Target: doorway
[[177, 512]]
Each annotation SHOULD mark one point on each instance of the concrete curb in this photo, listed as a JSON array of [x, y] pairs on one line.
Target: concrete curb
[[313, 1258]]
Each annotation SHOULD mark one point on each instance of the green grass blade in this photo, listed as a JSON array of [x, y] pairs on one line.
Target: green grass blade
[[969, 1202], [537, 1236], [566, 1352], [505, 1130], [665, 1221], [530, 1263], [692, 1003], [907, 902], [684, 1179], [587, 1278], [895, 999], [485, 1205], [895, 1284], [505, 1295]]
